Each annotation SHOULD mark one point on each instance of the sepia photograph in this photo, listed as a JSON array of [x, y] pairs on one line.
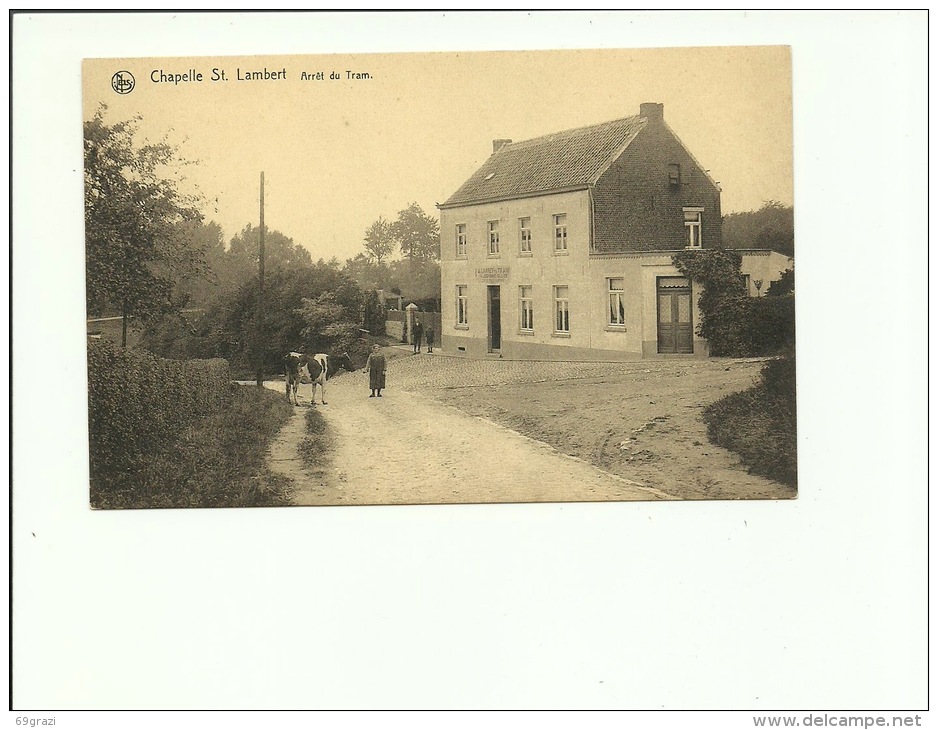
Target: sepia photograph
[[504, 304], [567, 275]]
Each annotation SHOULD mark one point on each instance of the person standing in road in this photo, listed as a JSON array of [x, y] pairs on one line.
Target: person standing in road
[[430, 338], [376, 367], [418, 335]]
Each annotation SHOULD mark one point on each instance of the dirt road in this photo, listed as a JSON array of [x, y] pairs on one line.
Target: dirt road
[[466, 431], [404, 448]]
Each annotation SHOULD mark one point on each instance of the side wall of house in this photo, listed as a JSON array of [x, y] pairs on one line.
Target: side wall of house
[[636, 206], [764, 266]]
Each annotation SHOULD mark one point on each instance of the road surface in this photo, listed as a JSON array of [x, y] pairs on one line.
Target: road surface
[[404, 448]]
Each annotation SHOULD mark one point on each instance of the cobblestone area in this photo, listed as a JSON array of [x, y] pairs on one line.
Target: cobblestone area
[[418, 372]]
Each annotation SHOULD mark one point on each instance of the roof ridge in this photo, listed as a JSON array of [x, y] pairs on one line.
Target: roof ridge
[[551, 136]]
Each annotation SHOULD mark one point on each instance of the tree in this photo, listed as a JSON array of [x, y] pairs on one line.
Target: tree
[[196, 289], [417, 234], [771, 227], [228, 328], [329, 326], [379, 243], [280, 252], [133, 250]]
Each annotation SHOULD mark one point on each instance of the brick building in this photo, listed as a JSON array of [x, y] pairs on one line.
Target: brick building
[[560, 247]]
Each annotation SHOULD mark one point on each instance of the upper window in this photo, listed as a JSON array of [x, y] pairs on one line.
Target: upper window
[[562, 309], [560, 233], [693, 217], [493, 238], [617, 302], [461, 240], [524, 235]]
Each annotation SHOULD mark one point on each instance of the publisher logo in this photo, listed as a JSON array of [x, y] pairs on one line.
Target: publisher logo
[[123, 82]]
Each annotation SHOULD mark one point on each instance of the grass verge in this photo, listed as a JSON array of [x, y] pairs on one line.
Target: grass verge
[[759, 424], [218, 462], [314, 449]]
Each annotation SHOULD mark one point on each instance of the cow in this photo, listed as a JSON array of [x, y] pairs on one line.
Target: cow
[[315, 369]]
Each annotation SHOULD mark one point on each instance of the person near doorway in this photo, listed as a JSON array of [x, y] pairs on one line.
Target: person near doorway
[[430, 334], [418, 335], [377, 368]]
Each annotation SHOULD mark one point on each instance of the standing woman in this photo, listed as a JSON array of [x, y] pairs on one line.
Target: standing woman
[[376, 366]]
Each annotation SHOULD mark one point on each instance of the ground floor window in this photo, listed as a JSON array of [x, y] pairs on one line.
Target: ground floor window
[[527, 309], [462, 306], [616, 302], [562, 309]]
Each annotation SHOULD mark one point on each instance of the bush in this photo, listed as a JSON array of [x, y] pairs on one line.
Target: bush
[[760, 424], [752, 326], [733, 323]]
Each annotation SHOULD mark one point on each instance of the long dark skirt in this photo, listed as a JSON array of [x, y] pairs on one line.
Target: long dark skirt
[[376, 379]]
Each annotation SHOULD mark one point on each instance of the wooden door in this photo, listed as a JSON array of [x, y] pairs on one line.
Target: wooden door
[[675, 316]]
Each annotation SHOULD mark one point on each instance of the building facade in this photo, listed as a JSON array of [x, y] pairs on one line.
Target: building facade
[[560, 247]]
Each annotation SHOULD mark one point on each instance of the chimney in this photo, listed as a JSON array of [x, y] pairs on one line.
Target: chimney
[[652, 111], [497, 144]]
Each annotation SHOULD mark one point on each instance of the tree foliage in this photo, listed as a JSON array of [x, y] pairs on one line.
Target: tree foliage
[[328, 325], [228, 329], [417, 234], [733, 323], [784, 286], [771, 227], [280, 252], [206, 240], [379, 241], [374, 315], [134, 211]]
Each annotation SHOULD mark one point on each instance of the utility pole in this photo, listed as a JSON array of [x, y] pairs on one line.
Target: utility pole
[[259, 349]]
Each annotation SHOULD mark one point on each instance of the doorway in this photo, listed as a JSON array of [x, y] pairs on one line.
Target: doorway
[[675, 320], [495, 318]]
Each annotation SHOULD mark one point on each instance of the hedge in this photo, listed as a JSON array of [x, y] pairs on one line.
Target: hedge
[[760, 424], [752, 326], [139, 404]]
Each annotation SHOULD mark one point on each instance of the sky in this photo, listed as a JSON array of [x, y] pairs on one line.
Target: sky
[[337, 153]]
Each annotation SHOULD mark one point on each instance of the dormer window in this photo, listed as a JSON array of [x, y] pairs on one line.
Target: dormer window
[[674, 175], [693, 218]]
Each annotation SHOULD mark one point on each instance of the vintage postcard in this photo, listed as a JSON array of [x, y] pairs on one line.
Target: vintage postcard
[[428, 278]]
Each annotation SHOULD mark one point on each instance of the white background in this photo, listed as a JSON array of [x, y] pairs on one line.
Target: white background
[[812, 605]]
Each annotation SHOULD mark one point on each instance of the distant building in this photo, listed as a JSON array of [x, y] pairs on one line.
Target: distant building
[[560, 247]]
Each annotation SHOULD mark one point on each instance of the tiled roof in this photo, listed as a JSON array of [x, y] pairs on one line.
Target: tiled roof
[[557, 161]]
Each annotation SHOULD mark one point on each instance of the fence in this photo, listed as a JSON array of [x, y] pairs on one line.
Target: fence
[[397, 319]]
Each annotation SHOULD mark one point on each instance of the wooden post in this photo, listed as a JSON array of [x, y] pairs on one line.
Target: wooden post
[[259, 334]]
